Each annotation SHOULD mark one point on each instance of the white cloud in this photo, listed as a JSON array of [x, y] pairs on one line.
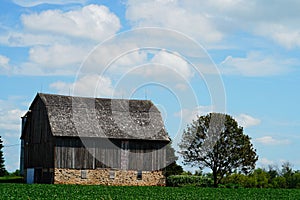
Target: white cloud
[[173, 15], [57, 55], [101, 58], [181, 86], [89, 85], [88, 24], [59, 40], [246, 121], [3, 60], [166, 67], [175, 62], [24, 39], [4, 64], [212, 20], [277, 21], [55, 59], [161, 66], [10, 125], [265, 162], [10, 116], [188, 115], [255, 64], [31, 3], [269, 140], [288, 37], [93, 21]]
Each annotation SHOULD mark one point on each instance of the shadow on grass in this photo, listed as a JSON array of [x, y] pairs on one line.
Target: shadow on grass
[[11, 179]]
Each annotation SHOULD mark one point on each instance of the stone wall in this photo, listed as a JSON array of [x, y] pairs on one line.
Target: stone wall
[[108, 177]]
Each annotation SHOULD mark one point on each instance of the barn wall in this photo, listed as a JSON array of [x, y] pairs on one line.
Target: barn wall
[[38, 142], [108, 177], [72, 153]]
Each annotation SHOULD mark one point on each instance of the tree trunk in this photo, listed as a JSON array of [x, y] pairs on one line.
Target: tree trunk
[[215, 178]]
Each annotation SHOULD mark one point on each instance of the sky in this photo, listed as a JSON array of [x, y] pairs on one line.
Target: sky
[[189, 57]]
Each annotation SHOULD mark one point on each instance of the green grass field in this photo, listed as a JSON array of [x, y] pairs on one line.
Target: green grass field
[[37, 191]]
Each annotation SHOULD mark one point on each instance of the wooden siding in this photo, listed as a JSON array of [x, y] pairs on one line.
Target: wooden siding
[[95, 153], [38, 143], [38, 140]]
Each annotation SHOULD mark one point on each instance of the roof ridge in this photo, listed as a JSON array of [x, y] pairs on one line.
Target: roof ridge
[[84, 97]]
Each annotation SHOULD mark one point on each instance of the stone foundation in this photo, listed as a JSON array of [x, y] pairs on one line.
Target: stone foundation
[[108, 177]]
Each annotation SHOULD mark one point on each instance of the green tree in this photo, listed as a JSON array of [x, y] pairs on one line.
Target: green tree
[[296, 179], [278, 182], [273, 172], [287, 173], [261, 177], [217, 142], [16, 173], [3, 171], [173, 168]]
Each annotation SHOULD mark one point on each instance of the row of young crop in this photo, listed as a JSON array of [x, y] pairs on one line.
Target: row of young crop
[[36, 191]]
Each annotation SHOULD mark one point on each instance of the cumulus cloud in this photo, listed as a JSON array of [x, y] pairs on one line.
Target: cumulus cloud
[[25, 39], [89, 85], [165, 67], [288, 37], [277, 21], [59, 40], [93, 21], [269, 140], [10, 115], [114, 58], [175, 62], [55, 59], [31, 3], [246, 121], [57, 56], [10, 119], [173, 15], [188, 115], [86, 25], [255, 64], [130, 61], [210, 21], [4, 64]]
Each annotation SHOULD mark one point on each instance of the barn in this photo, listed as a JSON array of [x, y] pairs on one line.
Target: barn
[[80, 140]]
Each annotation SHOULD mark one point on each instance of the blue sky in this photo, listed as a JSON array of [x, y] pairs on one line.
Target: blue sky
[[241, 55]]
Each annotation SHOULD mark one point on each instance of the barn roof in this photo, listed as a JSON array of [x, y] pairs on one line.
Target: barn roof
[[100, 117]]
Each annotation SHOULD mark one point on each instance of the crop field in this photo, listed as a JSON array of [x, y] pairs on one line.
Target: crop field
[[37, 191]]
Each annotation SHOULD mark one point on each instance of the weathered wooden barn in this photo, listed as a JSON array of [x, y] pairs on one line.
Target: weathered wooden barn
[[82, 140]]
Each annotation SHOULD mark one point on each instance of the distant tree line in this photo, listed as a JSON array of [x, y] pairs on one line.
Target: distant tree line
[[270, 177]]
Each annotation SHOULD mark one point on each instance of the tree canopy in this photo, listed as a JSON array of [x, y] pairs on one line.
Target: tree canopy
[[3, 171], [217, 142]]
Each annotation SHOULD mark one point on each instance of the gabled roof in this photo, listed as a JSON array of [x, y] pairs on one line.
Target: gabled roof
[[100, 117]]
